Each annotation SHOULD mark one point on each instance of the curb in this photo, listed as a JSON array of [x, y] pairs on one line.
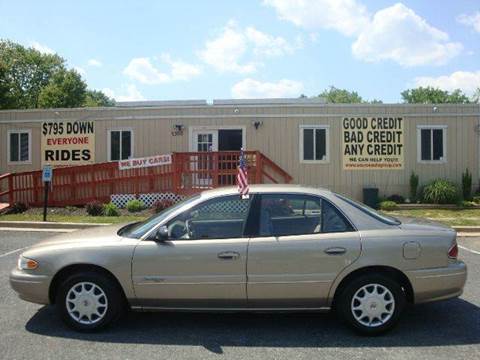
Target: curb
[[49, 225], [467, 229], [433, 207]]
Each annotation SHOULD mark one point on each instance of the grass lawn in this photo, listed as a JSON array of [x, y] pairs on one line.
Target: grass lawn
[[452, 217], [72, 218]]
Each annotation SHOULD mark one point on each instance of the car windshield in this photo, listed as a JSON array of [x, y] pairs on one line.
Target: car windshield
[[138, 229], [369, 211]]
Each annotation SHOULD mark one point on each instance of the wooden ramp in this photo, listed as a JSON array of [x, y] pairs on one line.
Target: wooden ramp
[[188, 173]]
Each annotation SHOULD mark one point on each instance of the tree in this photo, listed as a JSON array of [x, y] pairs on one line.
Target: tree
[[341, 96], [65, 89], [431, 95], [97, 98], [27, 74], [476, 96]]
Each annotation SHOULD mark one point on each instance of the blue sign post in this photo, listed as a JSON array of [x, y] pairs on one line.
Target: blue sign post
[[47, 174]]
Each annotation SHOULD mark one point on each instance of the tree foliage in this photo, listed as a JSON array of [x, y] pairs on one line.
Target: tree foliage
[[334, 95], [431, 95], [65, 89], [97, 98], [476, 96], [32, 79], [340, 96]]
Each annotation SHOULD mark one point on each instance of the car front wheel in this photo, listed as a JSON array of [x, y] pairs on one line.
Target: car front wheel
[[372, 304], [88, 301]]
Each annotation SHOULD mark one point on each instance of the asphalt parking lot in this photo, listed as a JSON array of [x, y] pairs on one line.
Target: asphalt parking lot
[[444, 330]]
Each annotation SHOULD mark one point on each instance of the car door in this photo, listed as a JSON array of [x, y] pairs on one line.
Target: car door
[[203, 262], [303, 243]]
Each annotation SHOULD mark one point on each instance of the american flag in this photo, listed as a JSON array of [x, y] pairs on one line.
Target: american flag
[[242, 176]]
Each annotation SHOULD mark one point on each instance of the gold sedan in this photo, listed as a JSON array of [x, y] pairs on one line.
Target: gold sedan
[[285, 248]]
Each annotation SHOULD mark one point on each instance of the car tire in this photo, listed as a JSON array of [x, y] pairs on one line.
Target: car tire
[[89, 301], [371, 304]]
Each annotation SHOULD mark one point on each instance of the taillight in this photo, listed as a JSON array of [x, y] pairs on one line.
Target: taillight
[[453, 251]]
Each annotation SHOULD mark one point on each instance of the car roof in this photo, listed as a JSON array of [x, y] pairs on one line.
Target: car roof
[[267, 188]]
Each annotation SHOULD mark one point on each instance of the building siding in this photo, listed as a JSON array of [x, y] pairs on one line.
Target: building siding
[[278, 137]]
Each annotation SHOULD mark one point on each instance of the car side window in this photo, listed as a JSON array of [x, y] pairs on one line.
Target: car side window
[[333, 221], [290, 215], [218, 218], [298, 214]]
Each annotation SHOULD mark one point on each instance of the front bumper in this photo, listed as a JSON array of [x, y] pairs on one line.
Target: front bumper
[[30, 287], [438, 283]]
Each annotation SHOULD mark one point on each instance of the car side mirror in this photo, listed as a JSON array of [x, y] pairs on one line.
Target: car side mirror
[[162, 234]]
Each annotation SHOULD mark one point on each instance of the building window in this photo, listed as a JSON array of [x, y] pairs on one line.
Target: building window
[[432, 143], [120, 144], [314, 143], [19, 146]]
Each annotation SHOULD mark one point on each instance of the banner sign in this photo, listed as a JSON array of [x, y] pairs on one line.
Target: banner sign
[[68, 143], [148, 161], [373, 143]]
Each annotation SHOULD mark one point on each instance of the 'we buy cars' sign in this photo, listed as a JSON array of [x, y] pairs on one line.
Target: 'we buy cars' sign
[[68, 143], [148, 161]]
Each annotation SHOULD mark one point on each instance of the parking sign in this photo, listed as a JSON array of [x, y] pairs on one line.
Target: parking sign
[[47, 173]]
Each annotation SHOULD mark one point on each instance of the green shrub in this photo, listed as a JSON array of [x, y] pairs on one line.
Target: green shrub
[[467, 204], [110, 209], [17, 208], [413, 187], [399, 199], [388, 205], [440, 192], [135, 205], [467, 185], [94, 208], [476, 199]]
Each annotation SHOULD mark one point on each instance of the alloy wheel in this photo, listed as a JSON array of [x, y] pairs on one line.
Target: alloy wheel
[[86, 303], [373, 305]]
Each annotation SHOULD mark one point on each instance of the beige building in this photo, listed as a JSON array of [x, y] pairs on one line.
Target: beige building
[[344, 147]]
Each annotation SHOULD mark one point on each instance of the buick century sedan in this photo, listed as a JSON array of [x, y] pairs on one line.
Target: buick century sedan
[[284, 248]]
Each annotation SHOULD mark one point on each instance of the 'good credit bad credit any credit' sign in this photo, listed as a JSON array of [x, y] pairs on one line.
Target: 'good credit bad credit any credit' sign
[[372, 143], [68, 143], [145, 162]]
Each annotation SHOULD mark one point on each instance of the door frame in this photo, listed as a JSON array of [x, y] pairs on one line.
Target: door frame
[[192, 129]]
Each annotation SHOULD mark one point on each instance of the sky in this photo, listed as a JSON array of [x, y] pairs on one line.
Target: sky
[[169, 50]]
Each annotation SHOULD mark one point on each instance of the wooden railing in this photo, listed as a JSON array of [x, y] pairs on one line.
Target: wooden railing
[[189, 172]]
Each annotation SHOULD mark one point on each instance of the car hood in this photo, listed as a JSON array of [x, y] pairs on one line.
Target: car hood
[[98, 234], [413, 223]]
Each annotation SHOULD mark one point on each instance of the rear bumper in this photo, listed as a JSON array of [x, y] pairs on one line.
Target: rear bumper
[[439, 283], [30, 287]]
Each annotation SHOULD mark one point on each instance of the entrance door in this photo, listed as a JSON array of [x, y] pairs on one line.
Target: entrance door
[[204, 141]]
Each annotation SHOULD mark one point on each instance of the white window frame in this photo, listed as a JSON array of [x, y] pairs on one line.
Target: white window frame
[[20, 131], [326, 159], [109, 140], [443, 160]]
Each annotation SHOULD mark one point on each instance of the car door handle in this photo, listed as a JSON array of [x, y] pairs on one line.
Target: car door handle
[[228, 255], [335, 251]]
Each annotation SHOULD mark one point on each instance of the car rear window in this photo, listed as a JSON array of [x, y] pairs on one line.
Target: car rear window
[[390, 220]]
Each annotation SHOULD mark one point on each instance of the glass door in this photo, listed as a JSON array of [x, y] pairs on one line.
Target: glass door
[[205, 141]]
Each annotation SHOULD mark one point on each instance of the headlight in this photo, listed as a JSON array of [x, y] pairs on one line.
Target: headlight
[[26, 264]]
